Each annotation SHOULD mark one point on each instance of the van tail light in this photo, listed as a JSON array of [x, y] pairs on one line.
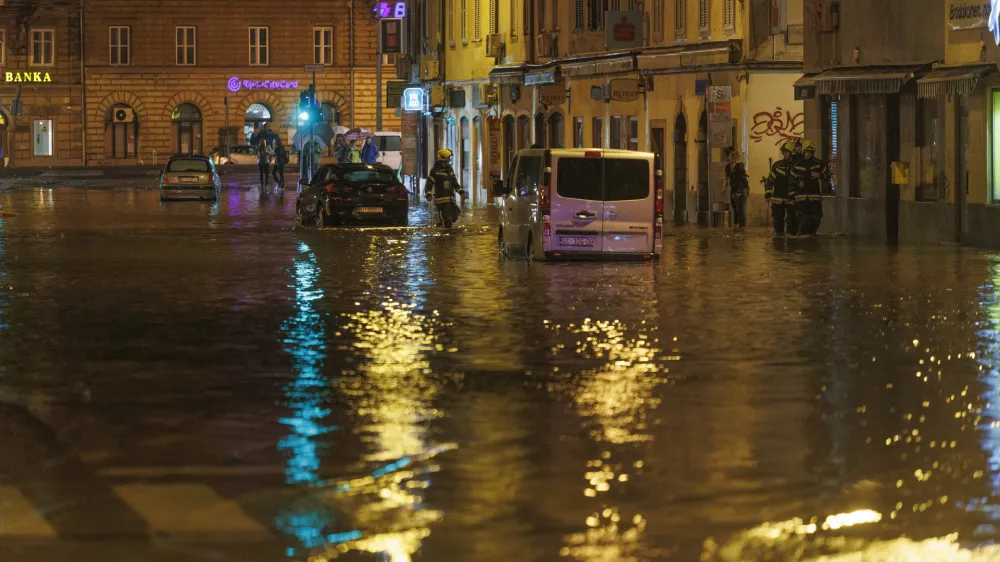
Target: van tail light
[[546, 229], [330, 188], [401, 193]]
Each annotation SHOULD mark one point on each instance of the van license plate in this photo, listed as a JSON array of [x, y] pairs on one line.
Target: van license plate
[[370, 210], [575, 241]]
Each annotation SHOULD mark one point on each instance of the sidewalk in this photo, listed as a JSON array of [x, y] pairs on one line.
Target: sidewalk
[[110, 177]]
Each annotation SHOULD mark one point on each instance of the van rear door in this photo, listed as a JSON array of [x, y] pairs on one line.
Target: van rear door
[[628, 204], [577, 206]]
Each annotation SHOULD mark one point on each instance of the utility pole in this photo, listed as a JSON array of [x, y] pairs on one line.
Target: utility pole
[[378, 81]]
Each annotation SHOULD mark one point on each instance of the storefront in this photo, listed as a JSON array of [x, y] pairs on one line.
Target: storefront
[[47, 131]]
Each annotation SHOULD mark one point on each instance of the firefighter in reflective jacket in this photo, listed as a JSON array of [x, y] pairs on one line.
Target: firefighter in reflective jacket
[[442, 185], [777, 190], [809, 177]]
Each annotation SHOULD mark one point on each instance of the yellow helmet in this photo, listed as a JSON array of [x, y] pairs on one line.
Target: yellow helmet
[[444, 155], [808, 146], [788, 145]]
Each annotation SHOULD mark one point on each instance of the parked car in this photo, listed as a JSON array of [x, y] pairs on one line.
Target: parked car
[[582, 203], [353, 193], [242, 154], [189, 177], [390, 148]]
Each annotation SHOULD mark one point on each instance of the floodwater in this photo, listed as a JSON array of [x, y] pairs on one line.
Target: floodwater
[[199, 382]]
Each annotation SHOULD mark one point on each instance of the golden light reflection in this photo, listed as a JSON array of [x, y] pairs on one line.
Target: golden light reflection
[[615, 398], [392, 393]]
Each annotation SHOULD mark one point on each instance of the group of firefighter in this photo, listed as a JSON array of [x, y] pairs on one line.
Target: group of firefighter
[[795, 188]]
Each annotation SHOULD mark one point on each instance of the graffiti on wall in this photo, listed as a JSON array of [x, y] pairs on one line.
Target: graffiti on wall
[[778, 126]]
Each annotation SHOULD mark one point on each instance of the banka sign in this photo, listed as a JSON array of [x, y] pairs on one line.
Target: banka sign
[[234, 84], [35, 77]]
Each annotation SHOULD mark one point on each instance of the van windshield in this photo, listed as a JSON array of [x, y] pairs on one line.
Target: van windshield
[[624, 179]]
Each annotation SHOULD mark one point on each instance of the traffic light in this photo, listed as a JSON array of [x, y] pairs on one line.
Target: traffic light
[[309, 107]]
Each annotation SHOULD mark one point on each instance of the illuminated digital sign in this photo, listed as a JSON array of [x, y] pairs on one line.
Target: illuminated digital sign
[[234, 84], [384, 10]]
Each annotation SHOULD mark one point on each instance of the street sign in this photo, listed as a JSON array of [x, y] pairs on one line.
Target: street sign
[[413, 99], [720, 117], [314, 68], [394, 93]]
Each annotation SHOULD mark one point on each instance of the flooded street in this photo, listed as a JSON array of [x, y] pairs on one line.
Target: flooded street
[[197, 382]]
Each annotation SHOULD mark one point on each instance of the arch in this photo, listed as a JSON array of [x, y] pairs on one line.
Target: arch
[[121, 138], [4, 151], [680, 169], [339, 101], [187, 121], [509, 142], [523, 131], [119, 98], [272, 101], [556, 126], [192, 98], [540, 136]]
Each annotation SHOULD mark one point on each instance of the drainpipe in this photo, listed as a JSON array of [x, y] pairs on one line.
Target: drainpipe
[[83, 86], [351, 62], [530, 35]]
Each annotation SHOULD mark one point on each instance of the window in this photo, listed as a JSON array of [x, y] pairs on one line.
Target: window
[[121, 43], [680, 14], [595, 13], [258, 46], [323, 45], [578, 132], [932, 182], [523, 132], [578, 15], [556, 131], [529, 170], [526, 19], [540, 137], [597, 133], [493, 17], [631, 179], [451, 22], [477, 22], [580, 178], [633, 133], [658, 19], [555, 14], [513, 19], [616, 5], [120, 132], [3, 47], [43, 137], [729, 14], [703, 16], [186, 44], [42, 48], [464, 14], [616, 133]]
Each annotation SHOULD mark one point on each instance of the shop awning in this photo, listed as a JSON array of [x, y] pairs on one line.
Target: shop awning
[[507, 75], [952, 80], [806, 81], [865, 79]]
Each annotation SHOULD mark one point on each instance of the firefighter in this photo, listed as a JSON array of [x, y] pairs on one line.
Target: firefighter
[[777, 189], [810, 175], [791, 217]]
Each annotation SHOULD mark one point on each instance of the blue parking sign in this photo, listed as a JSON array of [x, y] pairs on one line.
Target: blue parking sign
[[413, 99]]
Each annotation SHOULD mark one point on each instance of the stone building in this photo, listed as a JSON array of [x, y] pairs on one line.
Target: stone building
[[40, 46], [889, 85]]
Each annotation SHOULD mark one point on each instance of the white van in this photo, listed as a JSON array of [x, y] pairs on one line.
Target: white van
[[582, 203], [390, 150]]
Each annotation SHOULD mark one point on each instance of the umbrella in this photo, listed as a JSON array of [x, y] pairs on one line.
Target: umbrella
[[357, 133]]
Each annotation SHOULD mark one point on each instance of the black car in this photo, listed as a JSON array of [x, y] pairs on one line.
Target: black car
[[353, 193]]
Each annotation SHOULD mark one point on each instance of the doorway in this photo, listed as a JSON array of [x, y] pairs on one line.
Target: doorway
[[508, 144], [657, 136], [962, 165], [254, 118], [892, 155], [680, 170], [463, 151]]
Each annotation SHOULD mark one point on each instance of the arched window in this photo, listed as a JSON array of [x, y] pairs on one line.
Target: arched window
[[256, 115], [523, 132], [540, 129], [509, 142], [187, 129], [464, 146], [121, 126], [331, 118], [556, 131]]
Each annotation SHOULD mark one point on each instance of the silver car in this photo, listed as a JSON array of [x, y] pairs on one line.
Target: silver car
[[187, 178]]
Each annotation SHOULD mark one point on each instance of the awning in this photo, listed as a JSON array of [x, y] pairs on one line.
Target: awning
[[865, 79], [508, 75], [952, 80], [547, 76], [806, 81]]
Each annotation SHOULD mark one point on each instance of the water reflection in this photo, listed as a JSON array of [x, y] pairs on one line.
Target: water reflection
[[304, 339], [614, 401]]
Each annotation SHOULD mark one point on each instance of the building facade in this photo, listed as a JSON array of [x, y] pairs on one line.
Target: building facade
[[178, 76], [556, 73], [40, 65], [893, 88]]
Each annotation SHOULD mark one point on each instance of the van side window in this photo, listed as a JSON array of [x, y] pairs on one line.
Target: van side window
[[528, 171]]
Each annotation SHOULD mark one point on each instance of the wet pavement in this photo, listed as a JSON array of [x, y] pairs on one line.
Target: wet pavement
[[198, 382]]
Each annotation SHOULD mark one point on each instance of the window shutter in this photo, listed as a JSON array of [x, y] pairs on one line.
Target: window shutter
[[578, 16], [729, 14], [680, 14], [658, 18], [465, 20], [477, 22], [703, 15]]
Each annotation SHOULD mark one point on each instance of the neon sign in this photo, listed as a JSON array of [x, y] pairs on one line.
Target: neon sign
[[383, 10], [413, 99], [235, 84], [993, 21]]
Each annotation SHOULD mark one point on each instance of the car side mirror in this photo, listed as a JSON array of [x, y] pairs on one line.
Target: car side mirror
[[499, 189]]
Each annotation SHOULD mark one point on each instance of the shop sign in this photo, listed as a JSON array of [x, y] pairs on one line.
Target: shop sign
[[413, 99], [623, 30], [624, 89], [552, 94], [37, 77], [968, 14], [495, 146], [235, 84]]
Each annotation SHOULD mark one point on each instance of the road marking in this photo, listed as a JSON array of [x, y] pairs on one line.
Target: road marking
[[18, 518], [166, 471], [187, 508]]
